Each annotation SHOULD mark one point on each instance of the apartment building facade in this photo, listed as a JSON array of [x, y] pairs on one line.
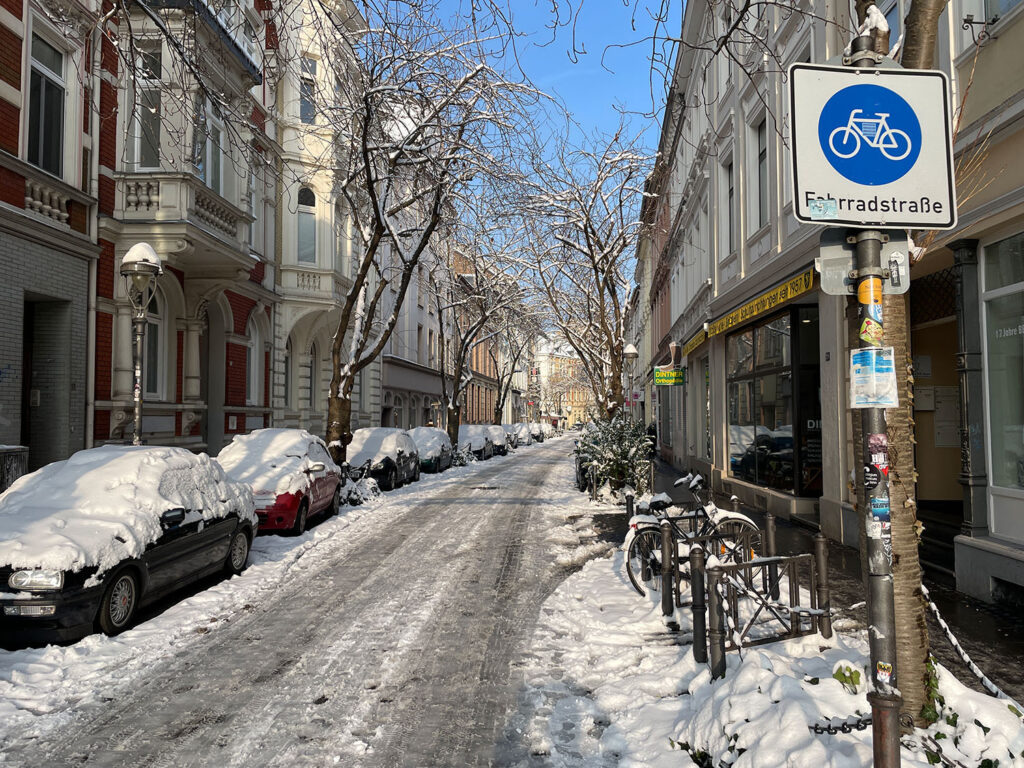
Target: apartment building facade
[[733, 290]]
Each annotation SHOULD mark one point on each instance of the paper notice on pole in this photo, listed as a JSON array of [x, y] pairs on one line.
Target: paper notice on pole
[[873, 378]]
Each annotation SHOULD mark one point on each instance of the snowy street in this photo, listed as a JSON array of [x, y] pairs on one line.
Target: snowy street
[[382, 637]]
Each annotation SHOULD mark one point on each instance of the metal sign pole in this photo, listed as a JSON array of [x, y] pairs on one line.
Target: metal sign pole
[[883, 697]]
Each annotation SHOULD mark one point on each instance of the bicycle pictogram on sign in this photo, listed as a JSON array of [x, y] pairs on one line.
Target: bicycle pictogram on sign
[[869, 134], [845, 141]]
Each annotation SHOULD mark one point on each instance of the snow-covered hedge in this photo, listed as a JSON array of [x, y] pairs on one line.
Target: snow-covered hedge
[[620, 450]]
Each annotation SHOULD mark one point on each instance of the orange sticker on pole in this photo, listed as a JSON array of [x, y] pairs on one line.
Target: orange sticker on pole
[[870, 291]]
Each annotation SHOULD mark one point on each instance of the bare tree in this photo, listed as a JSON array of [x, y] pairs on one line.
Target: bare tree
[[587, 202], [429, 115], [516, 329], [477, 283]]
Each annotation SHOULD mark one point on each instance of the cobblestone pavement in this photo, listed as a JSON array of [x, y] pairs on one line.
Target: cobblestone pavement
[[993, 635], [400, 655]]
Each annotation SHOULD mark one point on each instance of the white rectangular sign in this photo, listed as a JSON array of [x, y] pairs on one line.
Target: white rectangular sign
[[872, 147]]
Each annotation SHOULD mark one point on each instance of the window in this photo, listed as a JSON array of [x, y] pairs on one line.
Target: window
[[995, 9], [253, 364], [431, 352], [311, 376], [206, 145], [762, 174], [773, 403], [307, 226], [730, 207], [46, 107], [344, 240], [147, 106], [288, 374], [251, 206], [419, 345], [420, 286], [153, 364], [307, 91]]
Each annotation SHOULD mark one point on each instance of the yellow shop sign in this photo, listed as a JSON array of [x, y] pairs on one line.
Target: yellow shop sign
[[669, 378], [766, 302]]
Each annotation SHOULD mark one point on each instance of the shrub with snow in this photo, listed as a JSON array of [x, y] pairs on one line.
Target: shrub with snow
[[620, 451]]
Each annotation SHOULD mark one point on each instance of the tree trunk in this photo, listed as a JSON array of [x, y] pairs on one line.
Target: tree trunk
[[339, 420], [454, 421]]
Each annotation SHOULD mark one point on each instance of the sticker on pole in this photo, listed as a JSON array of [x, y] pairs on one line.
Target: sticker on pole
[[872, 147], [873, 378]]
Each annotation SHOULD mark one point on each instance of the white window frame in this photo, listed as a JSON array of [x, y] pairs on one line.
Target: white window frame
[[147, 85], [308, 66], [253, 364], [56, 79], [207, 153], [304, 209], [156, 334]]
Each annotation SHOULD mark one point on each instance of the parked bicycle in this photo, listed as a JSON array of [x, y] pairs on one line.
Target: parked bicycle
[[721, 529]]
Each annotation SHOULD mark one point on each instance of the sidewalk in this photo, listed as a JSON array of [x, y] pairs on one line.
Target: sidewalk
[[992, 635]]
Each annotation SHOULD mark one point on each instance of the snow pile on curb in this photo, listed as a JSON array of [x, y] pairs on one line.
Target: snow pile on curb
[[608, 685]]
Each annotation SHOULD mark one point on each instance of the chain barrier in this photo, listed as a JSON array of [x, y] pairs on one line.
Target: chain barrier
[[849, 725], [988, 684]]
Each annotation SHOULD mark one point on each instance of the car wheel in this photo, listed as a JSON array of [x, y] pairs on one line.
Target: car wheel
[[335, 507], [301, 517], [120, 600], [238, 552], [391, 480], [416, 477]]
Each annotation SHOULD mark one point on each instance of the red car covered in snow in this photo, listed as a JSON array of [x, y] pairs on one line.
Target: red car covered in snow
[[292, 476]]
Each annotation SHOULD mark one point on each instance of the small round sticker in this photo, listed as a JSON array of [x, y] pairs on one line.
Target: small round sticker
[[870, 291], [872, 477]]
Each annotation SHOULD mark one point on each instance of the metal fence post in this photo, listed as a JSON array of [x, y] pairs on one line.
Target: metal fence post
[[593, 482], [668, 602], [629, 492], [716, 624], [824, 600], [698, 605], [771, 551]]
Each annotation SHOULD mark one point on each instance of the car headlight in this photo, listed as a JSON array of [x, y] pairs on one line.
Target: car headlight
[[36, 579]]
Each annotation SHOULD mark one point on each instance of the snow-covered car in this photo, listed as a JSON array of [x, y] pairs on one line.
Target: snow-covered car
[[523, 436], [291, 473], [537, 431], [511, 434], [388, 454], [498, 438], [474, 438], [548, 429], [434, 447], [86, 541]]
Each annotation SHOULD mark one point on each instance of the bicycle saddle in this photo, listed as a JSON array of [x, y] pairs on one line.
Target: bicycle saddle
[[659, 502]]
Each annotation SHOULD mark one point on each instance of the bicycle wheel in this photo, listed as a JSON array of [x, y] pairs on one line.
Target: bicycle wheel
[[643, 560], [849, 144], [901, 145], [730, 545]]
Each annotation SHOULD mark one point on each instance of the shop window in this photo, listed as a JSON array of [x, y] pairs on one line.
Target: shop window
[[773, 403], [1004, 335]]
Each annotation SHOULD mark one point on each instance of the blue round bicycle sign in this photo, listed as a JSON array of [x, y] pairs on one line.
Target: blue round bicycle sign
[[869, 134]]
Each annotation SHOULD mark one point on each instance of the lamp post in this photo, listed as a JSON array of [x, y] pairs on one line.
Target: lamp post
[[139, 268], [630, 355], [568, 416]]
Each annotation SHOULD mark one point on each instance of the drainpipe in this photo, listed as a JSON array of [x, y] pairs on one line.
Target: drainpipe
[[90, 312]]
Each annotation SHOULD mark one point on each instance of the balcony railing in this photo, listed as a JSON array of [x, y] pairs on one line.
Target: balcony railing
[[167, 196], [46, 196]]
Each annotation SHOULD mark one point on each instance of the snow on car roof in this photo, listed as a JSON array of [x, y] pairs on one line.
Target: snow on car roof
[[429, 440], [374, 444], [103, 505], [272, 459]]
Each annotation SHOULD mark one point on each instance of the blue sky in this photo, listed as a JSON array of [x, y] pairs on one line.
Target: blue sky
[[616, 68]]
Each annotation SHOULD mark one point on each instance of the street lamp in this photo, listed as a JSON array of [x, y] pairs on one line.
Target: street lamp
[[568, 415], [630, 355], [139, 268]]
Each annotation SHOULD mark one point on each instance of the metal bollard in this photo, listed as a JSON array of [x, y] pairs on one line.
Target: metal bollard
[[698, 605], [629, 492], [716, 624], [593, 483], [885, 729], [736, 507], [771, 551], [824, 599], [667, 564]]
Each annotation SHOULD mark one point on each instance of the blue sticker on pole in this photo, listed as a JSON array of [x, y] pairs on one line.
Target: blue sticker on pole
[[869, 134], [880, 510]]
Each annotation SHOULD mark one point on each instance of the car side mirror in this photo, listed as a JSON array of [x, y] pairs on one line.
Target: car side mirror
[[318, 466], [172, 518]]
